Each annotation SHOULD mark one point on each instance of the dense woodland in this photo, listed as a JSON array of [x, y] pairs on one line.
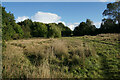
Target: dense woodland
[[28, 28]]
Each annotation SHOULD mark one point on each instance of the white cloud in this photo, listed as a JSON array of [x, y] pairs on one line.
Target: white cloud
[[19, 19], [45, 17], [61, 22], [72, 25], [97, 24]]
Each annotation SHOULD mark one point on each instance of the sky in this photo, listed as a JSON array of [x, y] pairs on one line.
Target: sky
[[57, 0], [69, 13]]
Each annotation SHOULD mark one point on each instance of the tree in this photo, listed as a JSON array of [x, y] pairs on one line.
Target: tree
[[27, 26], [79, 30], [65, 31], [39, 29], [85, 29], [0, 16], [91, 27], [18, 31], [10, 30], [89, 22], [111, 24], [53, 31], [7, 32], [113, 11]]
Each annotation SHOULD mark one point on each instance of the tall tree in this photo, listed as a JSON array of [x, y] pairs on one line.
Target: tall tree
[[10, 30], [85, 28], [53, 30], [113, 11], [65, 31], [0, 16], [27, 26], [39, 29], [111, 22]]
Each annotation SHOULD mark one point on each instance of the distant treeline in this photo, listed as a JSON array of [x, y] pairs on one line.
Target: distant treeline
[[28, 29]]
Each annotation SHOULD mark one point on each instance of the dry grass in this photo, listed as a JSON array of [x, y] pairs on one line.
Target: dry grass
[[21, 62], [35, 54], [14, 63], [60, 49], [34, 59], [108, 36], [119, 37], [48, 58], [45, 73]]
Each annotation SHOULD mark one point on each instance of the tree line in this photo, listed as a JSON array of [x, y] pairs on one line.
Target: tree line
[[29, 29]]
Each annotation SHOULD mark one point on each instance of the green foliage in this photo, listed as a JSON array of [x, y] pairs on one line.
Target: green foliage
[[10, 29], [7, 18], [19, 32], [3, 45], [26, 26], [65, 31], [39, 30], [7, 32], [109, 26], [84, 29], [54, 31], [113, 11], [112, 22]]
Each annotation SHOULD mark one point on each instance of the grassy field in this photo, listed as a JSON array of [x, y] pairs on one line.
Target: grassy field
[[66, 57]]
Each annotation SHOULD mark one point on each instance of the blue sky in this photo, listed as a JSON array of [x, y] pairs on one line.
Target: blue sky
[[70, 13], [58, 0]]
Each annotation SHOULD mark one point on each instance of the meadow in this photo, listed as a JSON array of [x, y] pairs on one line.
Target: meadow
[[66, 57]]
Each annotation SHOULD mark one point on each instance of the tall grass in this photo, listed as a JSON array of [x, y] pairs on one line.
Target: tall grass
[[119, 37], [56, 58], [35, 54], [60, 49]]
